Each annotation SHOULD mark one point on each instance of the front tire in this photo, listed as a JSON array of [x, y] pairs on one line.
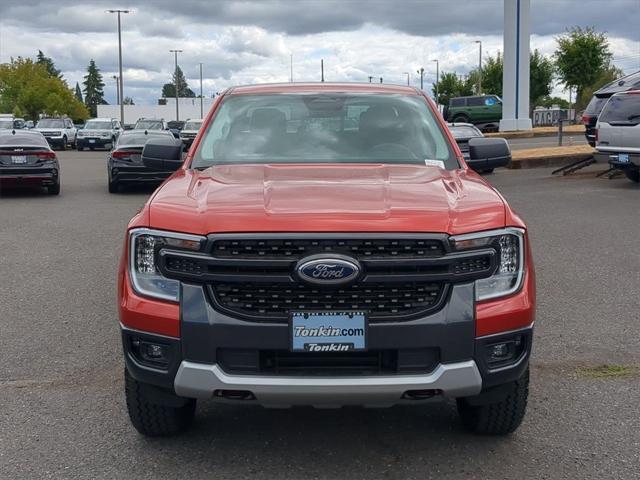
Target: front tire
[[498, 418], [460, 119], [114, 187], [633, 175], [154, 419], [64, 143]]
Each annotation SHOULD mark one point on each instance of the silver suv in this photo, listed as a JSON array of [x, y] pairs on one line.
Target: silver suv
[[99, 132], [190, 130], [618, 132]]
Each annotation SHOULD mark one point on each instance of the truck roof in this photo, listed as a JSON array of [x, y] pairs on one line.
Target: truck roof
[[318, 87]]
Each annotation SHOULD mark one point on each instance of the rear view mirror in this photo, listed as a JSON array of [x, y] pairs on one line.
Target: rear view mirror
[[164, 154], [488, 153]]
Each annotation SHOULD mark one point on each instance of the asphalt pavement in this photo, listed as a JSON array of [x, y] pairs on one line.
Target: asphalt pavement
[[62, 411]]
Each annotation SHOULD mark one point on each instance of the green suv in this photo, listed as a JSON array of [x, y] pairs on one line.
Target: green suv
[[482, 110]]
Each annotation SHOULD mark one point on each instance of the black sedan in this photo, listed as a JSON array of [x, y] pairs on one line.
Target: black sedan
[[26, 160], [463, 132], [125, 165]]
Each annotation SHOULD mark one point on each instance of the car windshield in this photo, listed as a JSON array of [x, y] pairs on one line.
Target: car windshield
[[622, 109], [51, 123], [324, 128], [595, 105], [6, 123], [464, 132], [23, 139], [135, 139], [192, 125], [97, 125], [149, 125]]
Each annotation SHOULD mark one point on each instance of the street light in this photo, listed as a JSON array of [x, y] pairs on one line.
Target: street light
[[117, 79], [421, 73], [175, 82], [408, 77], [201, 98], [437, 80], [479, 42], [120, 88]]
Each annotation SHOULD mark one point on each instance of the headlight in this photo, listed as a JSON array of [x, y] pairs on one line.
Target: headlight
[[509, 243], [81, 134], [144, 245]]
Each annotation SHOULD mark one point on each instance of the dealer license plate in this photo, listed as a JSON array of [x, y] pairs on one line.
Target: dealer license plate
[[18, 159], [91, 140], [328, 331], [623, 157]]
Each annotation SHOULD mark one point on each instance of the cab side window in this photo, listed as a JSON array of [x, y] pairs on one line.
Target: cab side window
[[475, 102], [458, 102]]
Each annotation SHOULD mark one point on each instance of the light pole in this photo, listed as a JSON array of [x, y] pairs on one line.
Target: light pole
[[291, 66], [175, 82], [479, 42], [437, 80], [421, 73], [120, 87], [117, 79], [201, 98], [408, 77]]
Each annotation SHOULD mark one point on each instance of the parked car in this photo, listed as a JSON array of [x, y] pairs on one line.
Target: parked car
[[618, 132], [59, 132], [599, 99], [345, 256], [175, 127], [190, 130], [98, 132], [151, 124], [124, 163], [484, 111], [29, 124], [26, 159], [465, 133], [11, 122]]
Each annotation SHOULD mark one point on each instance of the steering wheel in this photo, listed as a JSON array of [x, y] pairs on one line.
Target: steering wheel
[[383, 148]]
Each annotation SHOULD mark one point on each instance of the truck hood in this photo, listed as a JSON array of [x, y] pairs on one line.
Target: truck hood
[[326, 198]]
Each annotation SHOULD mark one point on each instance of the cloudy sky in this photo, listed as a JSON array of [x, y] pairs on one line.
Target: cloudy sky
[[246, 41]]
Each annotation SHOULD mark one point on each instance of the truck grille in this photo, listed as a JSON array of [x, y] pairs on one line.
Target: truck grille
[[254, 277], [298, 248], [275, 301]]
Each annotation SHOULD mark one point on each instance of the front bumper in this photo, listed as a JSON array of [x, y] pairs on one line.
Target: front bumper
[[92, 142], [197, 368], [461, 379]]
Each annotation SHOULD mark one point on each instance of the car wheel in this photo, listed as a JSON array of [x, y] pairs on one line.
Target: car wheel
[[460, 119], [79, 148], [488, 170], [156, 419], [498, 418], [54, 189], [114, 187], [64, 143], [633, 175]]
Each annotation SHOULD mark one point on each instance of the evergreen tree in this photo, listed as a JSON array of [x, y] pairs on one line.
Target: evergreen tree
[[128, 101], [47, 62], [79, 92], [93, 88], [178, 78]]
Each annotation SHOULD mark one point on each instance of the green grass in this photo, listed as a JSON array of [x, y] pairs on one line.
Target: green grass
[[608, 371]]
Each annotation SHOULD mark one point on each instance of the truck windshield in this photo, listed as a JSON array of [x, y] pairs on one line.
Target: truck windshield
[[97, 125], [324, 128], [50, 123]]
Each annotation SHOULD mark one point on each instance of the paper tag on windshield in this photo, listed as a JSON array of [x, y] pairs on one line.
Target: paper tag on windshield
[[434, 163]]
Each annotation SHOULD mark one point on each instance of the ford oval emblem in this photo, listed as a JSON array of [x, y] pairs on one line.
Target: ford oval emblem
[[328, 269]]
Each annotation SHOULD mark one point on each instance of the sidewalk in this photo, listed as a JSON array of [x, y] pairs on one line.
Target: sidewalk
[[539, 132], [549, 156]]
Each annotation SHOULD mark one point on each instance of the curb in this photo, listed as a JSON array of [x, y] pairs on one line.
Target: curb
[[532, 133], [547, 160]]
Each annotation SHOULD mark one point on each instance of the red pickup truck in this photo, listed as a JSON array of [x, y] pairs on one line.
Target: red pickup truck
[[325, 245]]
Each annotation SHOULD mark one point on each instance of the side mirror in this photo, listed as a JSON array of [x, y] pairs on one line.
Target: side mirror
[[488, 153], [163, 154]]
